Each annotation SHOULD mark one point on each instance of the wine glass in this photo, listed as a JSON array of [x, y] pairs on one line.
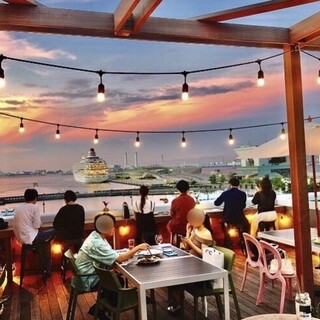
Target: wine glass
[[158, 238]]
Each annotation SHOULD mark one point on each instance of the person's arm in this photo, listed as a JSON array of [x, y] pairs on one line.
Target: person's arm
[[244, 204], [256, 198], [129, 254], [173, 208], [57, 220], [219, 201], [37, 218]]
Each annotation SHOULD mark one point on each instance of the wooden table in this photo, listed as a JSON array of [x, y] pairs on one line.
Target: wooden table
[[171, 271], [286, 236]]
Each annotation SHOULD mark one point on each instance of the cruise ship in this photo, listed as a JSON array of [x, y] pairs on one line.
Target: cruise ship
[[91, 169]]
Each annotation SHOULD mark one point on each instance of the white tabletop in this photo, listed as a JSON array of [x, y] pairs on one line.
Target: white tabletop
[[273, 317], [170, 271], [286, 236]]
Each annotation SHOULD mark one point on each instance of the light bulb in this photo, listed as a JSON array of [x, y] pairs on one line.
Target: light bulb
[[2, 83], [261, 81], [101, 90], [21, 127], [2, 80], [230, 139], [183, 141], [58, 132], [185, 88], [137, 142], [283, 133], [96, 138]]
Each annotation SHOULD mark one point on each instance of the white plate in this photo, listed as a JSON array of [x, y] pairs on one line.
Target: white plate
[[154, 252]]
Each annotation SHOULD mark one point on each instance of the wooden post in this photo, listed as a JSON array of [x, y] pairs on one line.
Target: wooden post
[[297, 152]]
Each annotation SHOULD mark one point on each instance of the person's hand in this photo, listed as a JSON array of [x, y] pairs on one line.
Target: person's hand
[[189, 227], [143, 246], [186, 241]]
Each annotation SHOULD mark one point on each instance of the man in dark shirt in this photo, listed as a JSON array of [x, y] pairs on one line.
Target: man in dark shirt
[[234, 202], [69, 222]]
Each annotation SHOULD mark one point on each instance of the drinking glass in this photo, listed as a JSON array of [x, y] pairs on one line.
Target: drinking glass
[[158, 238], [131, 243]]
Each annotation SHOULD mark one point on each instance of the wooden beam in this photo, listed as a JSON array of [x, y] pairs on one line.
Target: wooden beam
[[306, 31], [123, 13], [298, 169], [98, 24], [23, 2], [143, 12], [253, 9]]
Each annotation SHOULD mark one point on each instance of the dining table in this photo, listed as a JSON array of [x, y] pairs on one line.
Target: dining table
[[275, 316], [286, 236], [178, 269]]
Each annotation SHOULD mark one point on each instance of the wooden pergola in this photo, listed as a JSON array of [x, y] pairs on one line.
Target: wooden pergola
[[132, 20]]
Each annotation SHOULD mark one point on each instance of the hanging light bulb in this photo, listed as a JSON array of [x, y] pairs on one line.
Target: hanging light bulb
[[58, 132], [231, 140], [2, 80], [282, 132], [318, 80], [137, 142], [185, 88], [183, 141], [261, 81], [96, 137], [101, 90], [21, 127]]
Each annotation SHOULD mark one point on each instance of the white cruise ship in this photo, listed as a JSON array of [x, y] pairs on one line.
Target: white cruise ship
[[91, 169]]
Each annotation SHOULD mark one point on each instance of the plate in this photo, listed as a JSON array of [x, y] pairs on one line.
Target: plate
[[150, 260], [154, 252]]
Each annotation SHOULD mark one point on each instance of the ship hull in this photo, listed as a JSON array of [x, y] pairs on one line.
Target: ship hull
[[85, 179]]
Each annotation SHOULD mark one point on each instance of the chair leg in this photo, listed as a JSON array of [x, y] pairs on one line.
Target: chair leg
[[71, 297], [219, 305], [195, 306], [23, 263], [283, 295], [235, 299], [74, 304], [244, 275], [261, 288], [182, 305], [154, 305]]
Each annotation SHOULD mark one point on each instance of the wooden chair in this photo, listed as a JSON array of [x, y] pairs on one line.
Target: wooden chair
[[253, 256], [203, 289], [286, 280], [76, 288], [24, 251], [124, 298], [3, 298]]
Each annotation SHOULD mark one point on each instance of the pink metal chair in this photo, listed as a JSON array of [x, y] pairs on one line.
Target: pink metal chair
[[253, 256], [286, 280]]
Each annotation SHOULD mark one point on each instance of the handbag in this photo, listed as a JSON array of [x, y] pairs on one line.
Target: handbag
[[286, 266], [216, 258]]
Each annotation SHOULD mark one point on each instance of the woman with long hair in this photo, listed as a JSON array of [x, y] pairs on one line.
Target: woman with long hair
[[265, 199], [145, 222]]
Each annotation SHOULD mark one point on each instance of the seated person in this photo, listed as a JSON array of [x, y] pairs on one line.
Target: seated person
[[26, 224], [69, 222], [143, 213], [97, 248], [198, 237], [265, 199]]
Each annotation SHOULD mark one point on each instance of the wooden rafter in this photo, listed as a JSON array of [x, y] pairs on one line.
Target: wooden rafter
[[98, 24], [261, 7], [23, 2], [130, 15], [306, 31]]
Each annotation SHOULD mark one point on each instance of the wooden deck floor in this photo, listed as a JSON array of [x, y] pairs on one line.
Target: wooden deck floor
[[36, 301]]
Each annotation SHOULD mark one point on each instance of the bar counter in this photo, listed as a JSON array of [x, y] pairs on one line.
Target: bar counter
[[125, 229]]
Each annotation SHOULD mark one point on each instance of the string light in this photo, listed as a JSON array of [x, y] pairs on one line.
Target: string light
[[96, 137], [21, 127], [137, 142], [183, 140], [261, 81], [318, 80], [283, 132], [185, 87], [2, 80], [231, 140], [101, 90], [58, 132]]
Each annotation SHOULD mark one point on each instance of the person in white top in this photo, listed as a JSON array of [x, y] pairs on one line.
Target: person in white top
[[26, 224], [145, 222]]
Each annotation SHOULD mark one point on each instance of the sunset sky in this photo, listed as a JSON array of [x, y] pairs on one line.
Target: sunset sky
[[218, 99]]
